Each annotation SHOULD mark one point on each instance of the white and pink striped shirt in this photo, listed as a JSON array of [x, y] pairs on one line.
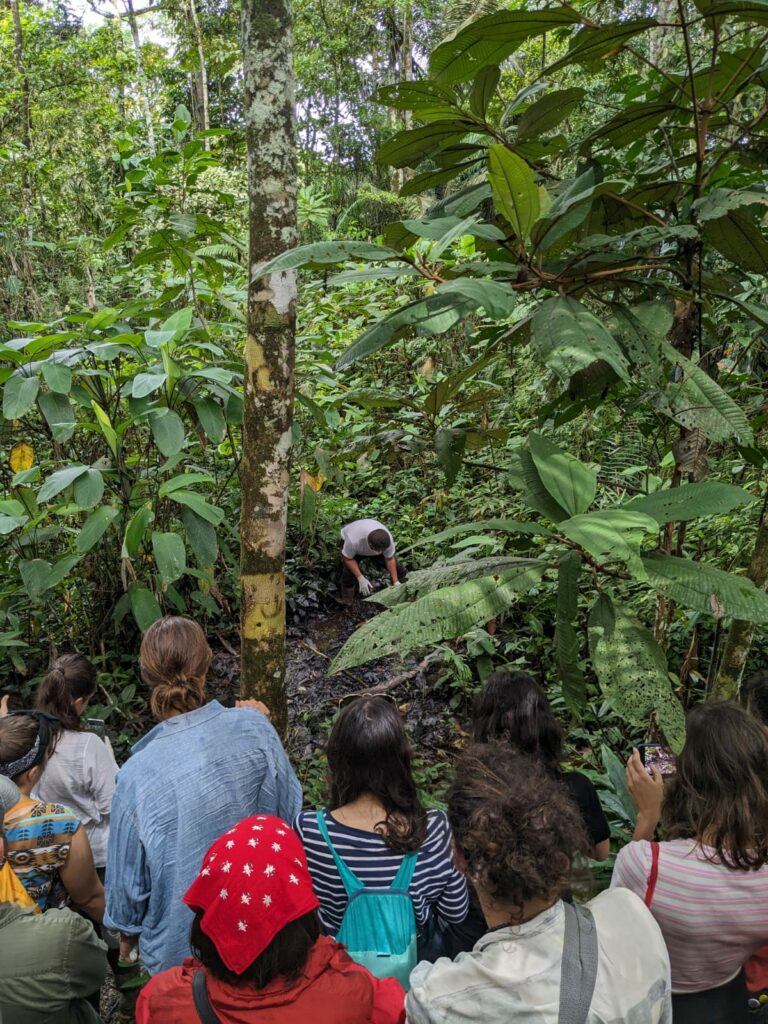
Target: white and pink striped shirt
[[712, 917]]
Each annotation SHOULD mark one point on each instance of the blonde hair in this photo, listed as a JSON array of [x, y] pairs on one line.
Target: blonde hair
[[174, 661]]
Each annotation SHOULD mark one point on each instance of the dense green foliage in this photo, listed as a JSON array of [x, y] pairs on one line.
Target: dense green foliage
[[531, 334]]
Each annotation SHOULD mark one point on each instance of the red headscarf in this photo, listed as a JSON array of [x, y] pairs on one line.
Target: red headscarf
[[253, 882]]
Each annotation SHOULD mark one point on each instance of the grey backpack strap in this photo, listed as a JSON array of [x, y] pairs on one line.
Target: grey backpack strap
[[202, 1003], [579, 968]]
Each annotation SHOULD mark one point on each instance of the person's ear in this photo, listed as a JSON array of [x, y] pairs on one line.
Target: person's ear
[[32, 775], [80, 704]]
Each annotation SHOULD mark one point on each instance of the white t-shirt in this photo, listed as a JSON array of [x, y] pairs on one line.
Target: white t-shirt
[[712, 917], [513, 973], [81, 774], [355, 537]]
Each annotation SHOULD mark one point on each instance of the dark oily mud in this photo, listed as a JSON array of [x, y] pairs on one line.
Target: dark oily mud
[[312, 642]]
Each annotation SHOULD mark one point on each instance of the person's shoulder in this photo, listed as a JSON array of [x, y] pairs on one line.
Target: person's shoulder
[[578, 783], [167, 994], [437, 823], [619, 912], [305, 820], [59, 926]]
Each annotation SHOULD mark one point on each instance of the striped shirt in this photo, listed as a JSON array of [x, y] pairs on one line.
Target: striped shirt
[[711, 916], [435, 883]]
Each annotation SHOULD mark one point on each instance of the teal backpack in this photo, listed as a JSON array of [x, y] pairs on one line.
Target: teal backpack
[[379, 925]]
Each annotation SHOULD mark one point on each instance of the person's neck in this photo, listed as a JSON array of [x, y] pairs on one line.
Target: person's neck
[[365, 812], [500, 915]]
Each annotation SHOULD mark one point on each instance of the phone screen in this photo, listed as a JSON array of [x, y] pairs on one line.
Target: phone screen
[[97, 725], [659, 756]]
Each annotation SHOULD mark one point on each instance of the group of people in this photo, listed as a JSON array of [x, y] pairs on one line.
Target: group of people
[[198, 861]]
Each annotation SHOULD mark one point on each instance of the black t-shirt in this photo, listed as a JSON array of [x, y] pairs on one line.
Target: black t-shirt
[[585, 797]]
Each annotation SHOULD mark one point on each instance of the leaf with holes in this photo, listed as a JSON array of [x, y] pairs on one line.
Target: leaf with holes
[[446, 574], [632, 671], [706, 589], [681, 504], [698, 401], [440, 615], [569, 338]]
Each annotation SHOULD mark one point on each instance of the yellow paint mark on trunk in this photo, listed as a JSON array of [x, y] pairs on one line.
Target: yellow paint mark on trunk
[[257, 365], [263, 605]]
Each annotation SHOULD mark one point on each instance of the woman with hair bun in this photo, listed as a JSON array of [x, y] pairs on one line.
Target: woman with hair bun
[[81, 769], [202, 769]]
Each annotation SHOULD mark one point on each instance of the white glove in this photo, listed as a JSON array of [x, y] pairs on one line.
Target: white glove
[[364, 585], [396, 583]]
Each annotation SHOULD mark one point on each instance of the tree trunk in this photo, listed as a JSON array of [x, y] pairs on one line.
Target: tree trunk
[[141, 76], [200, 79], [269, 351], [741, 634]]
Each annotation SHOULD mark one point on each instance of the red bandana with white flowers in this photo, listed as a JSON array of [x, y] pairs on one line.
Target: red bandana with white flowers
[[253, 882]]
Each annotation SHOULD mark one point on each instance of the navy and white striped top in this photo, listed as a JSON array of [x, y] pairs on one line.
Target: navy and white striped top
[[436, 882]]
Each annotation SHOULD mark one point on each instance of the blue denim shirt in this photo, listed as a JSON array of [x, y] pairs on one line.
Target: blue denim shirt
[[189, 780]]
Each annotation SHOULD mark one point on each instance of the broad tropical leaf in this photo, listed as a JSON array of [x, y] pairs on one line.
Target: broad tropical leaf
[[57, 481], [446, 574], [450, 445], [548, 112], [698, 401], [326, 252], [19, 395], [612, 533], [569, 338], [536, 494], [482, 526], [170, 556], [515, 192], [632, 671], [706, 589], [681, 504], [593, 44], [740, 240], [570, 482], [94, 528], [440, 615]]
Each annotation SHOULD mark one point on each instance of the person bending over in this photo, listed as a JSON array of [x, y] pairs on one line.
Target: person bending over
[[707, 882], [49, 963], [259, 955], [366, 538], [513, 708], [201, 770], [516, 832], [47, 845]]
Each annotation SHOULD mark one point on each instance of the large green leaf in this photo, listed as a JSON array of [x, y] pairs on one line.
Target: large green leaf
[[720, 201], [168, 431], [570, 482], [445, 574], [445, 389], [632, 123], [428, 100], [696, 400], [612, 533], [326, 252], [569, 338], [567, 647], [706, 589], [548, 112], [170, 556], [492, 39], [497, 299], [89, 488], [483, 90], [145, 383], [57, 481], [410, 147], [38, 576], [515, 192], [201, 537], [58, 414], [135, 531], [594, 44], [742, 10], [482, 526], [536, 494], [435, 314], [58, 377], [681, 504], [211, 418], [641, 346], [740, 240], [210, 513], [440, 615], [449, 446], [144, 606], [94, 528], [632, 671], [19, 395]]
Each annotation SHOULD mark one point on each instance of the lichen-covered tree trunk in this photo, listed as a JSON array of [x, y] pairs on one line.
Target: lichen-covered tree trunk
[[741, 634], [200, 78], [269, 351]]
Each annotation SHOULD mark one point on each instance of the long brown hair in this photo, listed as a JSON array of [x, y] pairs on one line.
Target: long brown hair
[[513, 707], [719, 795], [368, 752], [174, 661], [71, 677]]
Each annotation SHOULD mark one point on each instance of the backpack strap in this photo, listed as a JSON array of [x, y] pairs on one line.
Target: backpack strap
[[203, 1006], [402, 880], [579, 965], [653, 877], [349, 879]]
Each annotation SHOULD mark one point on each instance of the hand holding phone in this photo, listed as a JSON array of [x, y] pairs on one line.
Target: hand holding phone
[[658, 756]]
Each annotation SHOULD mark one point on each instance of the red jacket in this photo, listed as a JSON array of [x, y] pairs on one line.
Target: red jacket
[[332, 990]]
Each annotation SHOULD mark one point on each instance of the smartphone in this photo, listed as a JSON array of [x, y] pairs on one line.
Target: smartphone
[[657, 755], [97, 725]]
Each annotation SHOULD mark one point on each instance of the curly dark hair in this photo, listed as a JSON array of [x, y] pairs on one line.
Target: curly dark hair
[[719, 794], [515, 825], [368, 752], [754, 695], [513, 706]]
